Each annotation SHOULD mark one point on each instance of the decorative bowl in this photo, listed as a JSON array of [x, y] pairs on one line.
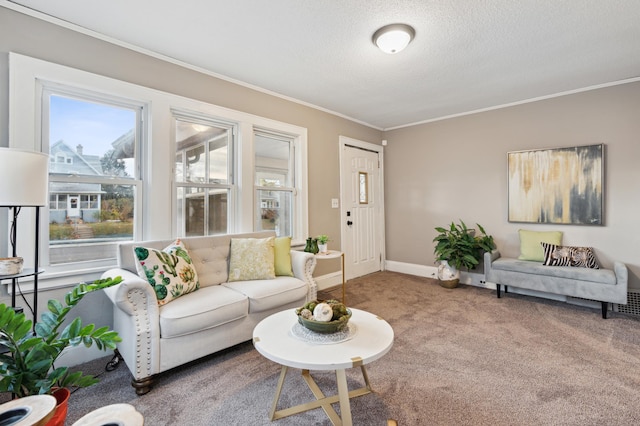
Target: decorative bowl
[[10, 265], [326, 327]]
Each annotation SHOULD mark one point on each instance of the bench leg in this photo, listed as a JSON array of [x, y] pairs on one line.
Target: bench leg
[[605, 309], [498, 286]]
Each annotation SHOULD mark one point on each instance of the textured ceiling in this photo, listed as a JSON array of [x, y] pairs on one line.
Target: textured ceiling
[[467, 55]]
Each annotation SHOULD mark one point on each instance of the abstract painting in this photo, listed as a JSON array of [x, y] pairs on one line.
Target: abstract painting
[[560, 185]]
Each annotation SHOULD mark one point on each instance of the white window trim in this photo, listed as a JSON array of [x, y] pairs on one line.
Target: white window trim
[[25, 128], [44, 90], [231, 186]]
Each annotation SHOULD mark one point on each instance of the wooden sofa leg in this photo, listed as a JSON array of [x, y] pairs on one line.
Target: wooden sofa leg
[[605, 309], [498, 290], [142, 386]]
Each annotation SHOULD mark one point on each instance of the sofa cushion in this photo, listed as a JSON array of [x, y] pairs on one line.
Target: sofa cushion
[[282, 256], [530, 248], [170, 271], [211, 261], [602, 276], [251, 259], [267, 294], [582, 257], [207, 308]]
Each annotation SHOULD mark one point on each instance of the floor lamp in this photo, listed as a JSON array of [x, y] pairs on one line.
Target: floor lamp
[[24, 177]]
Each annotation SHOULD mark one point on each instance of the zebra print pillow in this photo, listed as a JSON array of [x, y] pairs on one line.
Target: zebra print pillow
[[582, 257]]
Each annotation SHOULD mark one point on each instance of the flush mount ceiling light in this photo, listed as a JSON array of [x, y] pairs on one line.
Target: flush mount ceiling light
[[393, 38]]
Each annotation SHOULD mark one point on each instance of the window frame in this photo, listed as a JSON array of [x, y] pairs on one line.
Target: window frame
[[48, 89], [158, 205], [231, 186], [289, 187]]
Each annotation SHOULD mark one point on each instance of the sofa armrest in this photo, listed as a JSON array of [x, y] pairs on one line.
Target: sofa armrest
[[303, 265], [489, 257], [136, 318], [622, 278], [121, 295]]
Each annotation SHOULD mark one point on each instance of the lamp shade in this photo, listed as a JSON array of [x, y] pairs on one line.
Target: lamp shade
[[24, 177]]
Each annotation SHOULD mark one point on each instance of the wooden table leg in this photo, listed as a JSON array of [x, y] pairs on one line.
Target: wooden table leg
[[283, 374], [343, 393]]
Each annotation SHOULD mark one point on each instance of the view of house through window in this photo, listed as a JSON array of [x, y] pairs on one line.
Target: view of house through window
[[274, 182], [92, 176], [203, 175]]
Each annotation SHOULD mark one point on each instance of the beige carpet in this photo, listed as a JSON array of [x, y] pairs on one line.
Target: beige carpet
[[460, 357]]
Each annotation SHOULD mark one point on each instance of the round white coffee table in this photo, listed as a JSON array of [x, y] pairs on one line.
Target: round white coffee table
[[368, 339]]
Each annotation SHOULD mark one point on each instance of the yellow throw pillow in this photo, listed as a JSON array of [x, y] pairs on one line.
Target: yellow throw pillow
[[251, 259], [169, 271], [530, 247], [282, 246]]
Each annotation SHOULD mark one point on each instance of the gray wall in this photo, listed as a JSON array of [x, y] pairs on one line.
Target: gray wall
[[457, 169]]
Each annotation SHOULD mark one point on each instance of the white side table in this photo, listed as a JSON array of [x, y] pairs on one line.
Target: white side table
[[116, 414], [334, 254], [274, 339]]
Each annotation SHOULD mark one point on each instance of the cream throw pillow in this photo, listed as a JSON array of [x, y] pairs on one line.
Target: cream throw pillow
[[169, 271], [251, 259], [530, 247]]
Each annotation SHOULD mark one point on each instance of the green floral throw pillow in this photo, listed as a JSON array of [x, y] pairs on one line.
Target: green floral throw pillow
[[251, 259], [169, 271]]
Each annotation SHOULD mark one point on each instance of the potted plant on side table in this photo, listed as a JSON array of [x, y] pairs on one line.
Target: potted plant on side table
[[28, 366], [322, 243], [458, 247]]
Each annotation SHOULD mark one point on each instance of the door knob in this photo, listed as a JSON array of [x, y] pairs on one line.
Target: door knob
[[349, 223]]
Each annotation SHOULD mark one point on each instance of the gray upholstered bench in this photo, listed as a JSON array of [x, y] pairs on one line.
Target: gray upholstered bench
[[603, 285]]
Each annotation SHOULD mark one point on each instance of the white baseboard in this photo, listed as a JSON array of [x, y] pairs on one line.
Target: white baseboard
[[469, 278], [412, 269], [75, 355], [329, 280]]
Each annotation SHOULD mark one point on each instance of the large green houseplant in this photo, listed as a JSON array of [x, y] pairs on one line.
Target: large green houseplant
[[28, 366], [460, 247]]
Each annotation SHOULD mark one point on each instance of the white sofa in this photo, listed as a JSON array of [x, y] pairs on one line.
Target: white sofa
[[218, 315]]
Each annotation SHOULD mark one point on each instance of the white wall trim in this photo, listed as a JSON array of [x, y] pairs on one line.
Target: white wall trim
[[470, 278], [327, 281], [412, 269], [75, 355], [516, 103]]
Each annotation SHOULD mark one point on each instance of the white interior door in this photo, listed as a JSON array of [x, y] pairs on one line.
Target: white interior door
[[362, 207]]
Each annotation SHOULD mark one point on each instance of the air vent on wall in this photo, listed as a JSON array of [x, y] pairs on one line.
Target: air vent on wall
[[632, 306]]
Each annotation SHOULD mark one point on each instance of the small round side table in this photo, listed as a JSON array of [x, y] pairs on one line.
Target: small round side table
[[115, 414], [28, 411], [334, 254]]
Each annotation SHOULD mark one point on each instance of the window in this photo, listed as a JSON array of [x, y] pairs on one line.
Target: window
[[203, 175], [94, 180], [274, 182], [191, 165]]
